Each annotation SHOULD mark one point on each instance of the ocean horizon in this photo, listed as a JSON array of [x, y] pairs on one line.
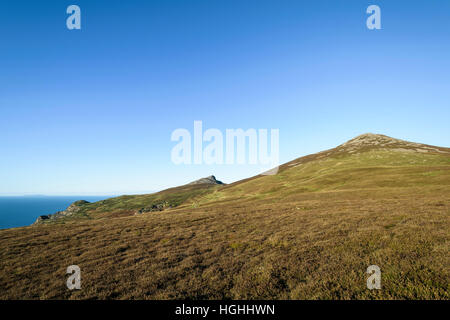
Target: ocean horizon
[[20, 211]]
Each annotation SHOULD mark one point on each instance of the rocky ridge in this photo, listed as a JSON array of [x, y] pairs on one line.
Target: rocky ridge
[[71, 210]]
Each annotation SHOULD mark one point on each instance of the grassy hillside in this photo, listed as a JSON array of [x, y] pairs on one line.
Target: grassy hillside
[[308, 232], [129, 205]]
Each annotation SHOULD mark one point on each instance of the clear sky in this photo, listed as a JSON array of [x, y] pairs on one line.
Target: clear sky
[[91, 111]]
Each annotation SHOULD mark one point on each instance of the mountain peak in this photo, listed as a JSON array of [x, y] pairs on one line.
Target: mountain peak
[[207, 180], [369, 141], [372, 139]]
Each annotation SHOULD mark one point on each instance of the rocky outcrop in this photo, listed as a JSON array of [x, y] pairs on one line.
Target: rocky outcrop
[[207, 180], [71, 210], [154, 207]]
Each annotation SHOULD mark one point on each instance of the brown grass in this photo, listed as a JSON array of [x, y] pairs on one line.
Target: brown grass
[[316, 247]]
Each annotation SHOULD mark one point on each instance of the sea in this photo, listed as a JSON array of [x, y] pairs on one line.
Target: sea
[[19, 211]]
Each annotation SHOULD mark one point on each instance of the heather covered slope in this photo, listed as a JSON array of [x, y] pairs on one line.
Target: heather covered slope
[[368, 161], [308, 232]]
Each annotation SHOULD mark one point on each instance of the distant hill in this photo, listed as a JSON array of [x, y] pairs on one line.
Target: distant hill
[[308, 232], [366, 161], [133, 204]]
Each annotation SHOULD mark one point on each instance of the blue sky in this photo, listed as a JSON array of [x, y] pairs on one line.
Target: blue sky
[[91, 111]]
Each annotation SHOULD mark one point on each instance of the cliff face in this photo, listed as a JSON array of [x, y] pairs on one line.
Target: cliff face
[[72, 209]]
